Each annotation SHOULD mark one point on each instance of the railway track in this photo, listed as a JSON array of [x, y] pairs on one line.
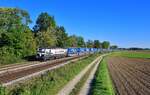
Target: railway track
[[15, 74]]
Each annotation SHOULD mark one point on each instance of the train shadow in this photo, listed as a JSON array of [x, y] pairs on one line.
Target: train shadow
[[30, 58]]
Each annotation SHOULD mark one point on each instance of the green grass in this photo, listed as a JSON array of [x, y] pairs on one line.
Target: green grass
[[132, 54], [102, 84], [51, 82]]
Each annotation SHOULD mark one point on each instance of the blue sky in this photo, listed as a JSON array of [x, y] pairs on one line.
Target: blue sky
[[122, 22]]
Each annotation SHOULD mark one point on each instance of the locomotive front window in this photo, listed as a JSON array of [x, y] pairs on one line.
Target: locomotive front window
[[41, 50]]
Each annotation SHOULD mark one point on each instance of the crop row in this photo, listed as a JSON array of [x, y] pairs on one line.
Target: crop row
[[128, 79]]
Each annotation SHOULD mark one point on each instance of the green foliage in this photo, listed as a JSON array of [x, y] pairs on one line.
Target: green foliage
[[44, 31], [43, 22], [113, 47], [16, 45], [93, 44], [10, 18], [105, 45], [89, 43], [51, 82], [2, 90], [16, 39], [7, 55], [131, 54], [45, 39], [75, 41], [80, 42], [102, 84], [61, 36], [96, 44], [72, 41]]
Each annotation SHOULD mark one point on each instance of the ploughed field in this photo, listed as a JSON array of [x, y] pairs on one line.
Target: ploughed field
[[131, 76]]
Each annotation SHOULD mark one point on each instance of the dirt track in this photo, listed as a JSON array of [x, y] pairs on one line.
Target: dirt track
[[130, 76]]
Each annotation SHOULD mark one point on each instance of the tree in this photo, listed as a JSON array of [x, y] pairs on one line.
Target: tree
[[96, 44], [80, 41], [16, 39], [89, 43], [113, 47], [72, 41], [75, 41], [61, 36], [105, 45], [46, 39], [44, 30], [43, 22], [12, 18]]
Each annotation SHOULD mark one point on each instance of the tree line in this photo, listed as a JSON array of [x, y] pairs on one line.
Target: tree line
[[18, 41]]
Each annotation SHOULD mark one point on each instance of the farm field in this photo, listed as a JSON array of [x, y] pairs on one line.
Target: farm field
[[132, 54], [130, 73]]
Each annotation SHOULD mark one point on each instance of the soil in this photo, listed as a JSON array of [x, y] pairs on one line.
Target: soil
[[131, 76]]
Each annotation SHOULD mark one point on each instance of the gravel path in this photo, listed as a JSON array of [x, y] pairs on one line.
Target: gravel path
[[68, 88], [86, 87]]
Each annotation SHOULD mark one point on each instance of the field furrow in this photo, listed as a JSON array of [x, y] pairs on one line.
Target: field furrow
[[129, 75]]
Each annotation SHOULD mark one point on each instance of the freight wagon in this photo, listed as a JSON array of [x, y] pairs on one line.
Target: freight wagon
[[54, 53]]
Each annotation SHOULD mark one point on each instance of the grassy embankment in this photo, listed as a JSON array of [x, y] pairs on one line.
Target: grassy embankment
[[132, 54], [102, 84], [51, 82]]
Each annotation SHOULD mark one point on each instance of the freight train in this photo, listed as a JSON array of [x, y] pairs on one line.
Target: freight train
[[54, 53]]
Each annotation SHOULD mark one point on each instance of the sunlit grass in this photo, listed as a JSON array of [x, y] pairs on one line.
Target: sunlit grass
[[132, 54], [102, 84]]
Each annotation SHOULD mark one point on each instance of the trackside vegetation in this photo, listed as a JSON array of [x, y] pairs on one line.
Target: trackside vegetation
[[132, 54], [50, 82], [102, 84], [19, 42]]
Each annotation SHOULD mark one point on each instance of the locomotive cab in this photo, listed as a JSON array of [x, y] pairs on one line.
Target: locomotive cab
[[45, 53]]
